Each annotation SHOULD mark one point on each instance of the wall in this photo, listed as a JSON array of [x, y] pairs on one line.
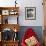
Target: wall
[[39, 13], [27, 3]]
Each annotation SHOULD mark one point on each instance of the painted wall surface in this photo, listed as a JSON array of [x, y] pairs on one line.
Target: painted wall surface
[[39, 13], [26, 3]]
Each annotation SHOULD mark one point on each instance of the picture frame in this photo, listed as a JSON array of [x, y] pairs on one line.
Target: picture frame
[[5, 12], [30, 13]]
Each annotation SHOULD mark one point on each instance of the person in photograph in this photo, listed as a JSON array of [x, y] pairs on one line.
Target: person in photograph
[[29, 13]]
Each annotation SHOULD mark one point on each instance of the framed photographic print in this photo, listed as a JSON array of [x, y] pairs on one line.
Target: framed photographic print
[[30, 13], [5, 12]]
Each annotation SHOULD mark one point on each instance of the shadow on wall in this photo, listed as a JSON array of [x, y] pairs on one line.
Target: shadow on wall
[[37, 29]]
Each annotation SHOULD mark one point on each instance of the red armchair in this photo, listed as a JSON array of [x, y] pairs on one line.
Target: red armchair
[[30, 39]]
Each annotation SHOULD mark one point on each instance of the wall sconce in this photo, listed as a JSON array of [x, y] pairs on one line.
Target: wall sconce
[[15, 3], [42, 3]]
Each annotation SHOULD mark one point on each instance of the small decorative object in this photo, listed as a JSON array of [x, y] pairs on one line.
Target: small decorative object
[[15, 3], [5, 12], [12, 12], [30, 13]]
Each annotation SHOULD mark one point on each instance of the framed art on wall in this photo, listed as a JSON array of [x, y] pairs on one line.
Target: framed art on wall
[[5, 12], [30, 13]]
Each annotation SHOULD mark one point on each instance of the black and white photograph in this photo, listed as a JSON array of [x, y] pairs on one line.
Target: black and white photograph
[[30, 13]]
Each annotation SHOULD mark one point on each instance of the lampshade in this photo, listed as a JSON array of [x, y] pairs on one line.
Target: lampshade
[[15, 30]]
